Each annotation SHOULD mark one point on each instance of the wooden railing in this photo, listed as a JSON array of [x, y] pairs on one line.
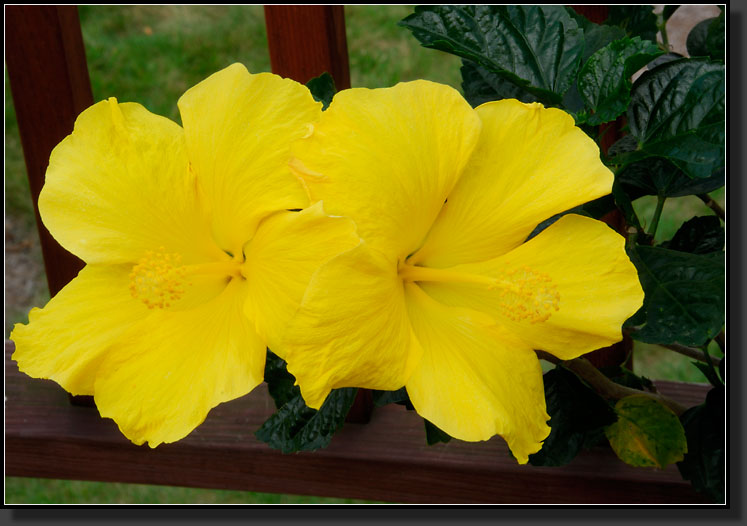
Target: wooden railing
[[384, 459]]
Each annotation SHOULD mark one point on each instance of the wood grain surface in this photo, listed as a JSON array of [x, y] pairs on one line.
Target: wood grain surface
[[386, 459]]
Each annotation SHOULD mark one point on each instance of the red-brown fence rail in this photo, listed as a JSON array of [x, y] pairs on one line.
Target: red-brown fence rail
[[386, 459]]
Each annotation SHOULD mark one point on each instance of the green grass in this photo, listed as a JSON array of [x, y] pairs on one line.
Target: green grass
[[151, 55], [21, 490]]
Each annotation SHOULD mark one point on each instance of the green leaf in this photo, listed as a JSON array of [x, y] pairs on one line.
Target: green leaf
[[710, 374], [703, 464], [280, 383], [577, 415], [699, 235], [625, 144], [434, 435], [658, 176], [536, 47], [296, 427], [400, 396], [696, 39], [636, 20], [604, 81], [716, 38], [625, 205], [684, 295], [647, 433], [707, 38], [663, 59], [481, 85], [597, 36], [322, 88], [677, 111], [623, 376], [669, 11]]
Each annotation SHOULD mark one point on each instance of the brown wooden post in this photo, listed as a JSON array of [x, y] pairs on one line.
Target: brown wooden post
[[620, 353], [307, 40], [49, 81], [304, 42]]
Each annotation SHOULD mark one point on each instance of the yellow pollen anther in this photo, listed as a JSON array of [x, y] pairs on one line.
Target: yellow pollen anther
[[528, 295], [158, 279], [524, 294]]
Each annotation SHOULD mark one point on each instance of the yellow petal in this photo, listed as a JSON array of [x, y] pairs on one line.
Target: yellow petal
[[280, 260], [387, 158], [239, 128], [351, 329], [66, 340], [531, 163], [120, 184], [160, 379], [581, 260], [475, 381]]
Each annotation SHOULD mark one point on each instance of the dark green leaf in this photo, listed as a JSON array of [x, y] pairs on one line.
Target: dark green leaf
[[536, 47], [480, 85], [709, 373], [696, 39], [399, 396], [596, 36], [722, 369], [598, 207], [623, 376], [658, 176], [663, 59], [322, 88], [699, 235], [716, 38], [685, 299], [625, 205], [280, 382], [636, 20], [703, 464], [669, 11], [434, 435], [604, 80], [296, 427], [547, 222], [625, 144], [577, 416], [647, 433], [594, 209], [677, 111]]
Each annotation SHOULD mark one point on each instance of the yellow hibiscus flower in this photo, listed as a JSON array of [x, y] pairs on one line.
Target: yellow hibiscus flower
[[194, 256], [445, 296]]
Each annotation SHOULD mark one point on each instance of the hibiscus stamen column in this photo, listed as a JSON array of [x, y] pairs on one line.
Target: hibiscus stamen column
[[525, 294]]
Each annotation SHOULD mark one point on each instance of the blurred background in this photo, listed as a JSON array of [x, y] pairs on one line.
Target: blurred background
[[151, 55]]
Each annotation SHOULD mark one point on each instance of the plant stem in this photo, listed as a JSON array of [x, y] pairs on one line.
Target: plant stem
[[657, 214], [690, 352], [603, 385], [710, 363], [663, 30], [713, 205], [721, 340]]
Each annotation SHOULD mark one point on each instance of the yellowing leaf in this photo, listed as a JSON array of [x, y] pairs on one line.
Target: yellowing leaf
[[647, 433]]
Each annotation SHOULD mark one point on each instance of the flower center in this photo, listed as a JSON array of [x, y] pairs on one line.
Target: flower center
[[158, 279], [524, 294]]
